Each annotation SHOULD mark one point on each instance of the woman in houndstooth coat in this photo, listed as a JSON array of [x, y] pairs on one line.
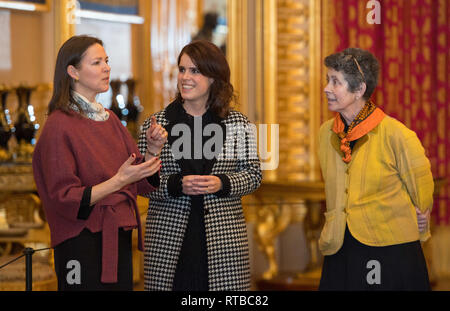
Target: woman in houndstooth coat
[[196, 237]]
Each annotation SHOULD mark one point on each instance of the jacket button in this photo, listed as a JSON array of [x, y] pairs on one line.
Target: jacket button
[[346, 191], [347, 171]]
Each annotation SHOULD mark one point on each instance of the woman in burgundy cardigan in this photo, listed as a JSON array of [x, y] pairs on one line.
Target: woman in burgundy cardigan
[[89, 171]]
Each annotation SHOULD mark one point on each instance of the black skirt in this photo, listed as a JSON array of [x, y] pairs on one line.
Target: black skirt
[[191, 273], [78, 263], [357, 266]]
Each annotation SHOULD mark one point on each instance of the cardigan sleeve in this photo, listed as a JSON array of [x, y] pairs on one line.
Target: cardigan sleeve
[[323, 145], [415, 172], [55, 173], [85, 206]]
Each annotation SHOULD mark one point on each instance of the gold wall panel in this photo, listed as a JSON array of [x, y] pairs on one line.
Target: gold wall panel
[[293, 89], [285, 37], [171, 26]]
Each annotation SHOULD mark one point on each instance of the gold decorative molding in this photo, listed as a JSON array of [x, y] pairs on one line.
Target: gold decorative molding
[[200, 13], [237, 50], [315, 88], [328, 45], [64, 18], [170, 30], [293, 94], [305, 190], [283, 39], [270, 65], [16, 178], [142, 58], [251, 53]]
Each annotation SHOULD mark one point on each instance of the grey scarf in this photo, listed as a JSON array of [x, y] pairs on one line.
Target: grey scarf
[[92, 110]]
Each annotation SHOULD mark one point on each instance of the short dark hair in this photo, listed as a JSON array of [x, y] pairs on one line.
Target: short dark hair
[[350, 61], [70, 53], [212, 63]]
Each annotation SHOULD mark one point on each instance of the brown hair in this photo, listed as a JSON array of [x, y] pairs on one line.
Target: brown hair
[[70, 53], [211, 62], [357, 66]]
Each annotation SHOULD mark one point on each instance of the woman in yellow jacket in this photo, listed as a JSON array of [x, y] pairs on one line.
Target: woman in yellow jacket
[[378, 186]]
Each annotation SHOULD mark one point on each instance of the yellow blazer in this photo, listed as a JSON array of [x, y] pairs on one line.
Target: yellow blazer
[[376, 193]]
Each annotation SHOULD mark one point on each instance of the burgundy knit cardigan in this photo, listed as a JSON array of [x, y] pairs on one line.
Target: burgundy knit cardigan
[[73, 153]]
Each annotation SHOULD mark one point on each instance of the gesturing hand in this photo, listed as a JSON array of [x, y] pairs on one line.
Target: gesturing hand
[[201, 184], [129, 173], [156, 137]]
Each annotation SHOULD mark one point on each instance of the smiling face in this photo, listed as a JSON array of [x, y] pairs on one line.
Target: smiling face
[[340, 99], [92, 74], [194, 87]]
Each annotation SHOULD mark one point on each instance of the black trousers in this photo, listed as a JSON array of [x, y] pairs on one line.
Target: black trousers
[[78, 263], [361, 267]]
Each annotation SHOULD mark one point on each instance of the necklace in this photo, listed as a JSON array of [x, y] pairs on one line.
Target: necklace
[[346, 136], [368, 108]]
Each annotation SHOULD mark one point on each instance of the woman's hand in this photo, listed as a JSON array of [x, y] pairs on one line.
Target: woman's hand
[[156, 137], [129, 173], [201, 184], [422, 219]]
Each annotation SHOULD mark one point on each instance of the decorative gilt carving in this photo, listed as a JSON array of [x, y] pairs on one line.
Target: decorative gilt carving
[[16, 178], [271, 220], [292, 89], [279, 204], [21, 214]]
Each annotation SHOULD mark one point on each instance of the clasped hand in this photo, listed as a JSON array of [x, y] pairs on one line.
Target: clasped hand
[[201, 184], [422, 219]]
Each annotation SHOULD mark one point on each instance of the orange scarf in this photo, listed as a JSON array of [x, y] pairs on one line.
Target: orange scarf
[[366, 120]]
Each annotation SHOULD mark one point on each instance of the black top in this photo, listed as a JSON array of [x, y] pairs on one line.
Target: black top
[[192, 267]]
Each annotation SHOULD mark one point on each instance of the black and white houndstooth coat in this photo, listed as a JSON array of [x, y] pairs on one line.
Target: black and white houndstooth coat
[[226, 233]]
